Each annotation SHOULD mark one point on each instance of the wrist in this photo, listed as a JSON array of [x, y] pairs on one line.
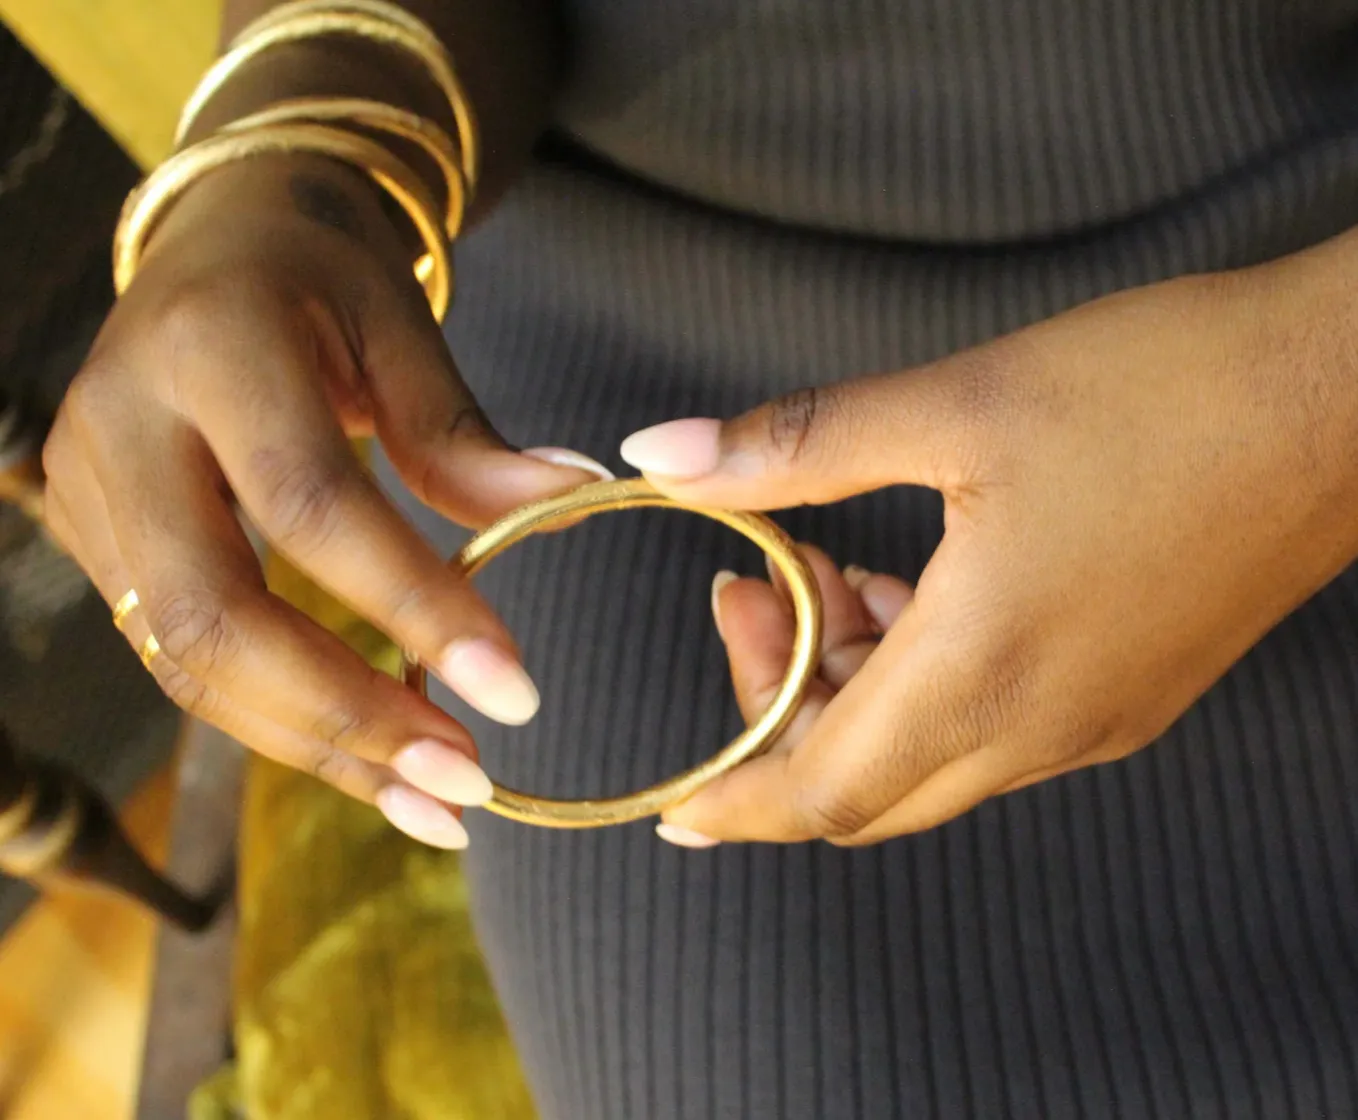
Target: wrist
[[335, 67], [1302, 312], [264, 192]]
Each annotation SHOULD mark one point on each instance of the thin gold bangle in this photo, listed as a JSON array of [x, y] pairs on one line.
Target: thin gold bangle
[[598, 497], [147, 202], [378, 9], [307, 20], [381, 117]]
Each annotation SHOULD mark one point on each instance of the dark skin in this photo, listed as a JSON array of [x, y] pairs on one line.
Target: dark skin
[[276, 317], [1175, 465]]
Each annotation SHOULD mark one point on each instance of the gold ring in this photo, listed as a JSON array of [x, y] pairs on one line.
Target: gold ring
[[150, 650], [124, 607], [636, 493]]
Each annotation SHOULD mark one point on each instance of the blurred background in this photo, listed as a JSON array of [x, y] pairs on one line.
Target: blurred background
[[338, 976]]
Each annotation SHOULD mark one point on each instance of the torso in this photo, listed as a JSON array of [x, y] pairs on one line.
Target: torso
[[956, 121]]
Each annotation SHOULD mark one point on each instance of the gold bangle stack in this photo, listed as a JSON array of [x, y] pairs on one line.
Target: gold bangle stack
[[371, 20], [329, 126]]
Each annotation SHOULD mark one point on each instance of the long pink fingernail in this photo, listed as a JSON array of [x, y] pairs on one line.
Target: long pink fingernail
[[421, 818], [677, 449], [443, 772], [884, 598], [720, 580], [565, 457], [684, 837], [490, 680]]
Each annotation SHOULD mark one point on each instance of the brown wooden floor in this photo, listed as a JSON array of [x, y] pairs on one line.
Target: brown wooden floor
[[74, 978], [74, 974]]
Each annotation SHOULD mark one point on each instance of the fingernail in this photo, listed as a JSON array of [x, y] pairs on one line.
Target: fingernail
[[855, 576], [684, 837], [720, 580], [421, 818], [678, 449], [884, 598], [443, 772], [565, 457], [490, 680]]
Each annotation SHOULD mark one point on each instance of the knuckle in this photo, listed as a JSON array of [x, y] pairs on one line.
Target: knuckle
[[347, 728], [829, 812], [804, 425], [195, 632], [57, 454], [302, 499], [326, 766], [191, 315], [88, 403], [183, 689], [411, 607]]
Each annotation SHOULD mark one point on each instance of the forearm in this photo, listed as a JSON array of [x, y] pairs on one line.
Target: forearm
[[506, 53]]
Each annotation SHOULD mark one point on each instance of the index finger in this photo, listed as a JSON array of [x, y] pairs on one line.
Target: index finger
[[293, 470]]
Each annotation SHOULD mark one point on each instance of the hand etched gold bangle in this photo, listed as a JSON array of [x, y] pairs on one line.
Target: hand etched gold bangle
[[600, 497], [380, 117], [148, 202], [385, 24]]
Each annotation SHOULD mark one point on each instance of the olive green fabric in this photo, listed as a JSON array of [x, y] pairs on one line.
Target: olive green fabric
[[359, 985]]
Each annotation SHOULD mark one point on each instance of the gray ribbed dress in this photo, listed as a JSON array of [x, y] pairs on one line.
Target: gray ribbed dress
[[747, 196]]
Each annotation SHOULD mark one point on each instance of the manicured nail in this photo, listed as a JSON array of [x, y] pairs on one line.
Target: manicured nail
[[421, 818], [443, 772], [684, 837], [720, 580], [678, 449], [855, 576], [490, 680], [884, 598], [565, 457]]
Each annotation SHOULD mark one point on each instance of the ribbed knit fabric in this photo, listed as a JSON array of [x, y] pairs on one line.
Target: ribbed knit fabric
[[1171, 936]]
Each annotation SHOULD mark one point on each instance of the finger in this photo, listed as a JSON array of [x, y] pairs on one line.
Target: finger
[[824, 444], [758, 630], [436, 435], [294, 472], [417, 815], [884, 597], [953, 789], [964, 783], [758, 626], [900, 718], [222, 635]]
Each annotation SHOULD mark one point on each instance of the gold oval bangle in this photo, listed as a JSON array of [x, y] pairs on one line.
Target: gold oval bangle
[[378, 9], [600, 497], [294, 23], [381, 117], [149, 200]]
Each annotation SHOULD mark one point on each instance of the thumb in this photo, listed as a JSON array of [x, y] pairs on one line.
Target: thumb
[[441, 442], [813, 446]]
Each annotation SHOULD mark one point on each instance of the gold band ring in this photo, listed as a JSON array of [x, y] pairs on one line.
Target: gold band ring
[[124, 607], [150, 650], [600, 497]]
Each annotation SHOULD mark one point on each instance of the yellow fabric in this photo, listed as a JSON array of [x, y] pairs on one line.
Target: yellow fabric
[[130, 62], [360, 989]]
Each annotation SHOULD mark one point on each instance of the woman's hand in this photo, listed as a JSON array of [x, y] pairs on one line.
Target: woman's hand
[[1135, 493], [274, 318]]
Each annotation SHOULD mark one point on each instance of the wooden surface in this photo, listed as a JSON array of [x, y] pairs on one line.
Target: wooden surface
[[130, 62], [75, 972], [74, 977]]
